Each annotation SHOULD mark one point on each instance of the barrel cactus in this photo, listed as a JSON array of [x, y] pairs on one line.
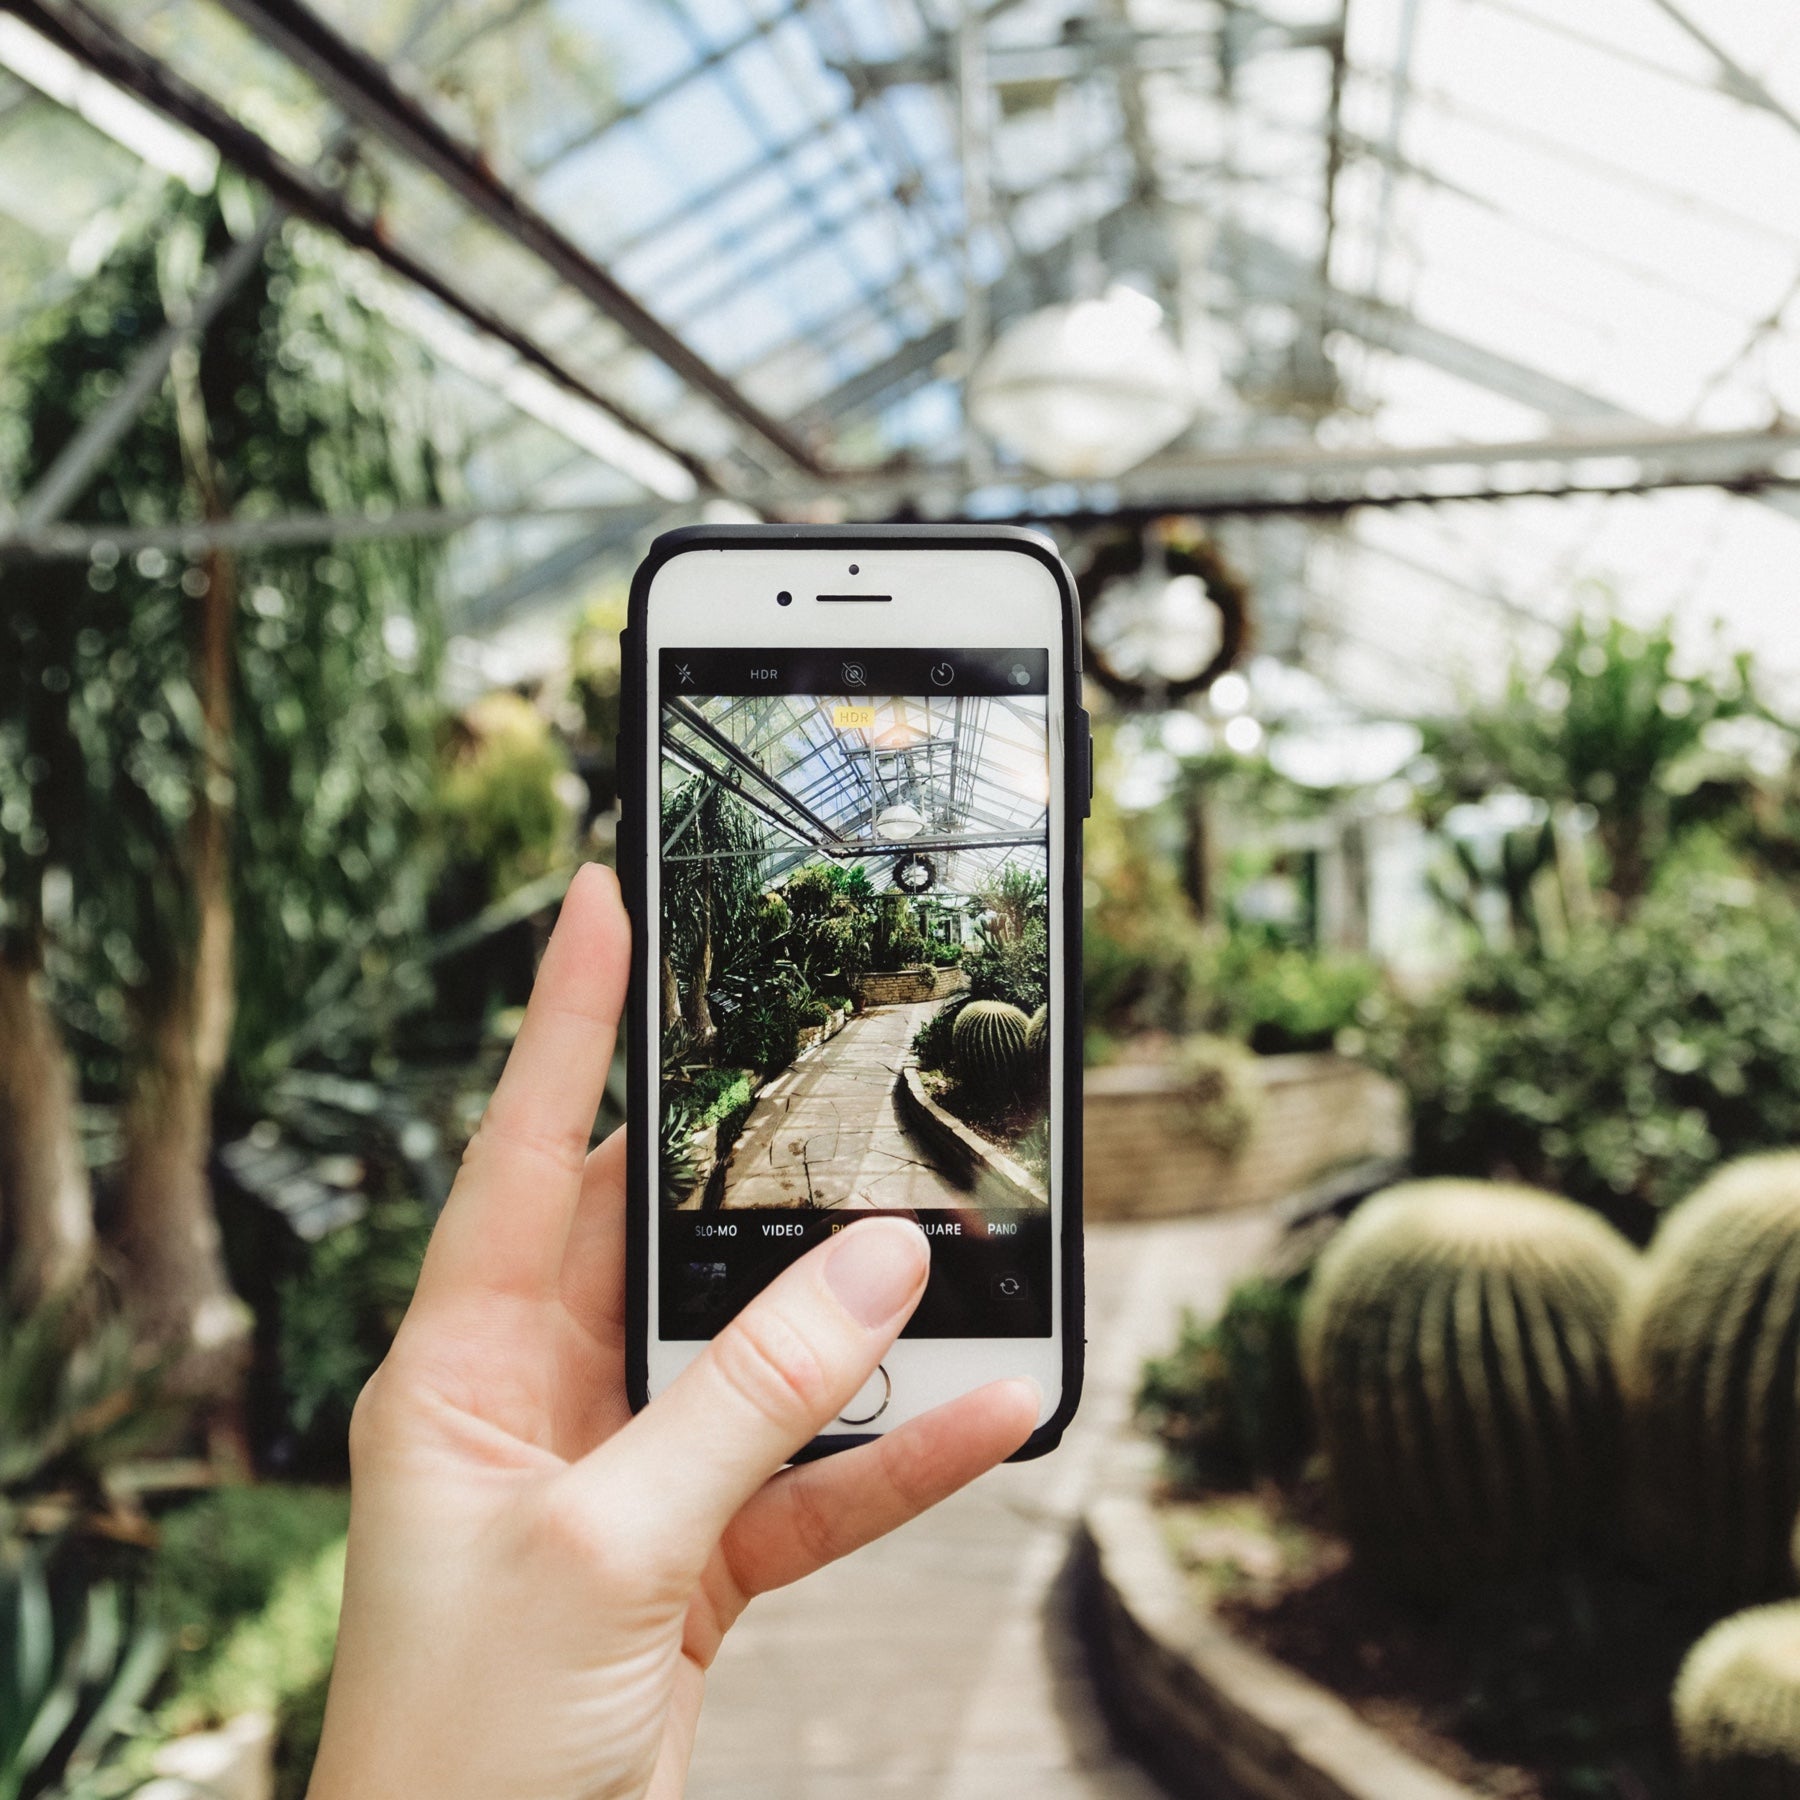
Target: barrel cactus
[[1737, 1707], [988, 1046], [1709, 1359], [1037, 1046], [1456, 1345]]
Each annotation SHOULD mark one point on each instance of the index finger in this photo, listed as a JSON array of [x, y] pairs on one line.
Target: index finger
[[508, 1217]]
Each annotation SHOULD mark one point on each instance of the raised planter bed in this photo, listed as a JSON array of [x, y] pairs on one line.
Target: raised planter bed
[[1317, 1113], [908, 987], [1214, 1715], [963, 1155]]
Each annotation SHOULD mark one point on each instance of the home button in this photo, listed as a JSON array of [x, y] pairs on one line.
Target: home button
[[871, 1400]]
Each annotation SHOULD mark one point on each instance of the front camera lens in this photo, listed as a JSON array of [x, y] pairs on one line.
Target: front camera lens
[[854, 570], [784, 598]]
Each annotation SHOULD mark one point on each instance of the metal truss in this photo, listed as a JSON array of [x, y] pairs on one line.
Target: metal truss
[[1304, 480]]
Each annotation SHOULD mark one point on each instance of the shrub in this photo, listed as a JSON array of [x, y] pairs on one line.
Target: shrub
[[1220, 1099], [1280, 999], [1624, 1069], [932, 1042], [1709, 1350], [713, 1093], [762, 1029], [248, 1582], [337, 1317], [1015, 971], [1737, 1707], [1037, 1045], [1227, 1403], [988, 1050], [81, 1657], [831, 924], [677, 1166], [1456, 1341]]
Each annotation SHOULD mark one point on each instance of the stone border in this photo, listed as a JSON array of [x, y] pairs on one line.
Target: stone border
[[1214, 1714], [964, 1156]]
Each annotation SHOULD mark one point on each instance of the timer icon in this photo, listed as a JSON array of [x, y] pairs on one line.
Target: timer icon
[[942, 674]]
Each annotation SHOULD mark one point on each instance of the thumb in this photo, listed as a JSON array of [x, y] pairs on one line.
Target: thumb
[[781, 1371]]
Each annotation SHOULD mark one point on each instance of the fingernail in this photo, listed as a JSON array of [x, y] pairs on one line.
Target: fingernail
[[874, 1268]]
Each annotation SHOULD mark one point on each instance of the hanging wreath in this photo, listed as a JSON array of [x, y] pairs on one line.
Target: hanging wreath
[[914, 874], [1185, 551]]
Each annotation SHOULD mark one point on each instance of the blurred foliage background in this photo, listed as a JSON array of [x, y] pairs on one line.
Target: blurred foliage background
[[271, 899]]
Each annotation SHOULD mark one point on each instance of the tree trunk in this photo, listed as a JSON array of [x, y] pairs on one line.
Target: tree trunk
[[671, 992], [174, 1269], [45, 1194], [699, 1014]]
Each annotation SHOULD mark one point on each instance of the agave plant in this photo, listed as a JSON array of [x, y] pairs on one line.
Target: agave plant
[[78, 1658]]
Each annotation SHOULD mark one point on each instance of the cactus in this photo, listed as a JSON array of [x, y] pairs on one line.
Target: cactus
[[1037, 1047], [988, 1045], [1737, 1707], [1456, 1346], [1709, 1358]]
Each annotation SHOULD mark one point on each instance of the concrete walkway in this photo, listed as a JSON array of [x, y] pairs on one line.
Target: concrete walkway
[[827, 1134], [940, 1664]]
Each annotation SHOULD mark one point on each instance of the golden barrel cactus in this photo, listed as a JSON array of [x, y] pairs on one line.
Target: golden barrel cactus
[[1457, 1345]]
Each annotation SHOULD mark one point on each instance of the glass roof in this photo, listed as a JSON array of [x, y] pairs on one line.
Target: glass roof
[[1387, 222], [972, 774]]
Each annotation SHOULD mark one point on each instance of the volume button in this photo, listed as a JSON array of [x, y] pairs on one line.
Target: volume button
[[1087, 761]]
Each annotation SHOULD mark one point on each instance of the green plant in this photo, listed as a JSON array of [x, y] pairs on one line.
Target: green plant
[[1737, 1707], [1031, 1150], [338, 1316], [1219, 1100], [933, 1043], [1280, 999], [76, 1398], [78, 1658], [1621, 1070], [225, 753], [1613, 723], [1037, 1044], [247, 1583], [678, 1166], [988, 1049], [1227, 1403], [944, 956], [1456, 1340], [501, 812], [1708, 1353], [761, 1029], [897, 942], [711, 900], [714, 1093], [830, 933]]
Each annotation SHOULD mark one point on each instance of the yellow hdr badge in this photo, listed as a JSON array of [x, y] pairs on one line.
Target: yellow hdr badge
[[853, 718]]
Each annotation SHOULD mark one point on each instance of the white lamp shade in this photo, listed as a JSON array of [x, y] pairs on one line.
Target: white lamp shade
[[899, 822], [1085, 391]]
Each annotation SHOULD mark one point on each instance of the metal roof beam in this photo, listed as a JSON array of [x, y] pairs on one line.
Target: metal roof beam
[[1303, 480], [368, 95], [83, 34]]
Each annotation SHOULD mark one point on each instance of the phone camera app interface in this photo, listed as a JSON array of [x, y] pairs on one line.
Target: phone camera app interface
[[855, 973]]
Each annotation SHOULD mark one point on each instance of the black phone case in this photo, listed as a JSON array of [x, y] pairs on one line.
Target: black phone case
[[633, 849]]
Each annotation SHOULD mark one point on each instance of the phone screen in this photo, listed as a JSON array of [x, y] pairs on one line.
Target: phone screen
[[855, 973]]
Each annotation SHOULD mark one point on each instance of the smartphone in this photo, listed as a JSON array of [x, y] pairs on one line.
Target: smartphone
[[854, 766]]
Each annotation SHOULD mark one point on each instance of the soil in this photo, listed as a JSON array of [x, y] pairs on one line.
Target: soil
[[1006, 1126], [1553, 1690]]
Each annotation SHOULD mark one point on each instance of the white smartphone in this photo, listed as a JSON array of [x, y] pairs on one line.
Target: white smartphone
[[854, 769]]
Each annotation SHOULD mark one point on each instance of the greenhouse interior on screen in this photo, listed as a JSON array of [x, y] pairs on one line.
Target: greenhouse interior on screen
[[823, 857], [1410, 385]]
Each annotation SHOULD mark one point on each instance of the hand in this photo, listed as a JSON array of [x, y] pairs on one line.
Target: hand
[[537, 1581]]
